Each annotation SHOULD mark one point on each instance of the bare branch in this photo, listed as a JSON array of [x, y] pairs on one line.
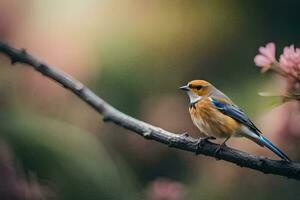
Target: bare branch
[[148, 131]]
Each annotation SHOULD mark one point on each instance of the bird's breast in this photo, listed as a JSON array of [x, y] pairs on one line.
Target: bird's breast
[[211, 121]]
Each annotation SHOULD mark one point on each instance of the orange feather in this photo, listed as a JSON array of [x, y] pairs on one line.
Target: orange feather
[[211, 121]]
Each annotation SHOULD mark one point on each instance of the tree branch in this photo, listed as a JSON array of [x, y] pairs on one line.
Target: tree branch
[[148, 131]]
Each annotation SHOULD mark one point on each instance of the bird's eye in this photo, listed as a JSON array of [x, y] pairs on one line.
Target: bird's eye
[[199, 87]]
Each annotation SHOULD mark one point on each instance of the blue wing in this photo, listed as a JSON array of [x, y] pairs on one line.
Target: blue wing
[[235, 113]]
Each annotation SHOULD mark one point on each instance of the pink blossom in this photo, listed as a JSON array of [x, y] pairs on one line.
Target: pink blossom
[[290, 59], [261, 61], [285, 63], [165, 189], [266, 56]]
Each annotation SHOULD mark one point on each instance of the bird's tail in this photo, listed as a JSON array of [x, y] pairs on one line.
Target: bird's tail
[[267, 143]]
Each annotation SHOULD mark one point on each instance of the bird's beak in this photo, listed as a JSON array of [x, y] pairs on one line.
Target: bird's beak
[[185, 88]]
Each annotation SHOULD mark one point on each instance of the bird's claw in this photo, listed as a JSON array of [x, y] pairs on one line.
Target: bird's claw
[[185, 134], [210, 138], [200, 143], [218, 150]]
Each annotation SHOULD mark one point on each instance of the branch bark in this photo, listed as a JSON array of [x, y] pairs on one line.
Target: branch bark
[[148, 131]]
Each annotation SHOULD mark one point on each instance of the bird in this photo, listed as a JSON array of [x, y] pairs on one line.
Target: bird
[[216, 116]]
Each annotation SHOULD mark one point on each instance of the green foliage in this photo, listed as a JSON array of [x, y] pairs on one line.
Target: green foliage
[[69, 160]]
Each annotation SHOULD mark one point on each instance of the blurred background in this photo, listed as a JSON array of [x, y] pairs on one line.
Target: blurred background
[[135, 54]]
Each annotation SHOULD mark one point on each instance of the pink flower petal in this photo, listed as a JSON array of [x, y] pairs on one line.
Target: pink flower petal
[[288, 51], [261, 61], [268, 51], [290, 58], [285, 63]]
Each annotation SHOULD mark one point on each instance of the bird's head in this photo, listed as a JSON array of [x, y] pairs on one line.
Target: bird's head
[[196, 89]]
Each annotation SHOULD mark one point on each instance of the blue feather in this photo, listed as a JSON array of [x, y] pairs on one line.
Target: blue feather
[[236, 113], [218, 104], [273, 148]]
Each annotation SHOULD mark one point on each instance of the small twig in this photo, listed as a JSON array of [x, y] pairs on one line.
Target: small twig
[[148, 131]]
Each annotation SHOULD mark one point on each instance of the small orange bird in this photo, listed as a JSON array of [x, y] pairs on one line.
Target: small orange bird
[[215, 115]]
